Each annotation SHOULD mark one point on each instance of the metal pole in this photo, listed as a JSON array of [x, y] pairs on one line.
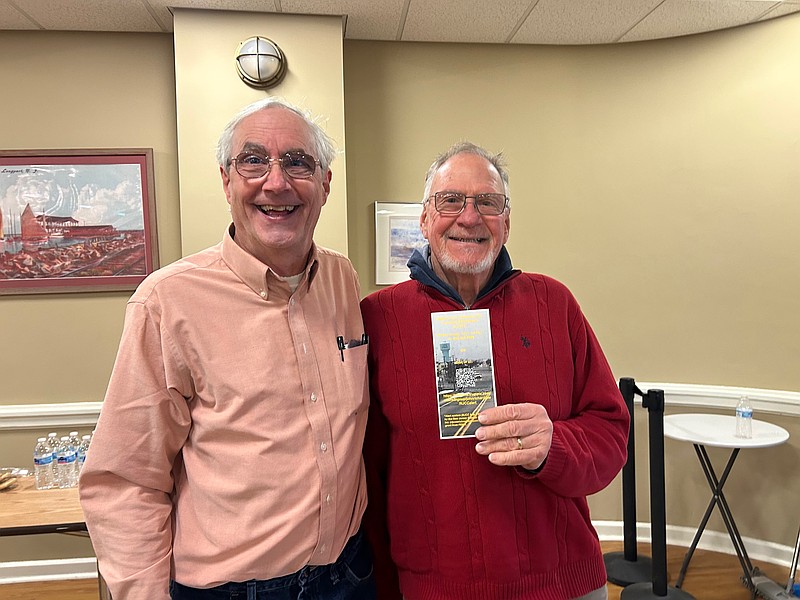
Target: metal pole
[[625, 568]]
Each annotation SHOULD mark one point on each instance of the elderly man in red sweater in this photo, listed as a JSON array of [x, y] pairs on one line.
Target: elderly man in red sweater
[[501, 513]]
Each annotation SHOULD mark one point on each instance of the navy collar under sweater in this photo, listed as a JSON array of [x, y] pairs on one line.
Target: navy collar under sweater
[[422, 271]]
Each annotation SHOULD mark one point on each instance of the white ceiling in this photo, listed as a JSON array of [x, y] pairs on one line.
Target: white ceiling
[[487, 21]]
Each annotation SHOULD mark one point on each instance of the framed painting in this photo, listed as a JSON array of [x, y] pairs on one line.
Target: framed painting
[[397, 235], [76, 220]]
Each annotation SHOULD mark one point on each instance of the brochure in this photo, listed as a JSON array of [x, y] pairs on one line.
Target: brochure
[[462, 351]]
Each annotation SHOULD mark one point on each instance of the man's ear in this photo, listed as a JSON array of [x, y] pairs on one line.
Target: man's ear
[[326, 186], [423, 221], [226, 182]]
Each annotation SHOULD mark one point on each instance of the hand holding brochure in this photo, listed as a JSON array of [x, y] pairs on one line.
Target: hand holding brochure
[[462, 351]]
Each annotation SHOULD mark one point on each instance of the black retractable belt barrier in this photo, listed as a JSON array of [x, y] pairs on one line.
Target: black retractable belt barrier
[[627, 567], [653, 401]]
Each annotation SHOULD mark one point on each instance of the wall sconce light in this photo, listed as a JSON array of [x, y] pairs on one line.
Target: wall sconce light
[[260, 62]]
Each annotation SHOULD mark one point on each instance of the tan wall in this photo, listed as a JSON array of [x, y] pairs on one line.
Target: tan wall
[[659, 180], [119, 90], [209, 92], [78, 90]]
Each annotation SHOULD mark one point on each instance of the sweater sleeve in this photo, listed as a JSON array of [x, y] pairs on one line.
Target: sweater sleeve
[[126, 484], [589, 447], [376, 452]]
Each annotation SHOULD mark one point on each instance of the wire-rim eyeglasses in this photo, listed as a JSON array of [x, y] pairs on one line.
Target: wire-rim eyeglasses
[[453, 203], [297, 165]]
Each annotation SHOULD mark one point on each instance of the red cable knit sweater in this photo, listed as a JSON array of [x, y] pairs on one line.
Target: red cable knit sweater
[[443, 521]]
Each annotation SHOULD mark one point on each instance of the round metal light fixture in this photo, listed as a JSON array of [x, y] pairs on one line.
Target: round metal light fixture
[[260, 62]]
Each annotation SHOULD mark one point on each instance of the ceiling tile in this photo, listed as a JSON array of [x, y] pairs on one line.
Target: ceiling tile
[[234, 5], [785, 8], [366, 19], [97, 15], [581, 21], [684, 17], [11, 18], [467, 21], [463, 21], [163, 14]]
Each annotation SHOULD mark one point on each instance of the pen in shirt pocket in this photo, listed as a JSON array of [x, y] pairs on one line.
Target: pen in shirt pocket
[[353, 343]]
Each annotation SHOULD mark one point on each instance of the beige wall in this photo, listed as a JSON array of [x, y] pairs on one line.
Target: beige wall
[[658, 180], [78, 90], [209, 92]]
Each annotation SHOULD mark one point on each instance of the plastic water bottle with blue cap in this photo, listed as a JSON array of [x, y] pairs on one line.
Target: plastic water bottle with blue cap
[[744, 418]]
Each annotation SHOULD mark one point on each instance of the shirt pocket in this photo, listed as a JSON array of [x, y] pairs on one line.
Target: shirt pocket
[[354, 378]]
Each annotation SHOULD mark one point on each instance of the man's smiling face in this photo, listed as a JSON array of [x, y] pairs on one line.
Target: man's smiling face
[[275, 215], [466, 243]]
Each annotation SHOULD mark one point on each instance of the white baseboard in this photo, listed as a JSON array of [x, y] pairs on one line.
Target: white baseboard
[[48, 570], [84, 414], [86, 568], [716, 541]]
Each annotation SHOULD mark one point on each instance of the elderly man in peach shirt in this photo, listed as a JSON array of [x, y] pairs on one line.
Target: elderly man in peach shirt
[[227, 458]]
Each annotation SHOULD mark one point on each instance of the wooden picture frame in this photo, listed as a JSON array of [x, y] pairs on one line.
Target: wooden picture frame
[[76, 220]]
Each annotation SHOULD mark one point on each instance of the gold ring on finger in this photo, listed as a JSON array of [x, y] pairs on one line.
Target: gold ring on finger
[[519, 443]]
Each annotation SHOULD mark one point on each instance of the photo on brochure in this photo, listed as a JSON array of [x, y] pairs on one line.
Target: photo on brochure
[[462, 350]]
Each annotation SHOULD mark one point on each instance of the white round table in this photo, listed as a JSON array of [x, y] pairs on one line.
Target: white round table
[[719, 430], [703, 430]]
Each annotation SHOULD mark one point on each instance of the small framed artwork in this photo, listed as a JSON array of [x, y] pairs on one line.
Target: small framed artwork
[[76, 220], [397, 235]]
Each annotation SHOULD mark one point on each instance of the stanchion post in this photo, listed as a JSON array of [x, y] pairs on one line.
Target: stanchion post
[[625, 568], [653, 401]]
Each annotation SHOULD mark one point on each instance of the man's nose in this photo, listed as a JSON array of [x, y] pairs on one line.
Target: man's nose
[[470, 213], [276, 179]]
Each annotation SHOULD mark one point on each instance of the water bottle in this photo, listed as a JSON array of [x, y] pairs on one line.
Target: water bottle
[[52, 443], [744, 418], [43, 465], [66, 464], [74, 439], [83, 448]]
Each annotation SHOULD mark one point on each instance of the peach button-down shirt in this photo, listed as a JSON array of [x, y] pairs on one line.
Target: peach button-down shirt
[[229, 443]]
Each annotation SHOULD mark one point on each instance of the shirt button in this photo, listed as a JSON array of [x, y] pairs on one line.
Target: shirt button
[[328, 498], [262, 293], [291, 301], [322, 548], [323, 446], [313, 397]]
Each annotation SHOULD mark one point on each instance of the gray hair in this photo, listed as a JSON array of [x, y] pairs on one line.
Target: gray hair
[[324, 148], [497, 161]]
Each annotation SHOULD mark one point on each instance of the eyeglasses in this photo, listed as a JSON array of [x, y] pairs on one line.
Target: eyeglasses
[[452, 203], [297, 165]]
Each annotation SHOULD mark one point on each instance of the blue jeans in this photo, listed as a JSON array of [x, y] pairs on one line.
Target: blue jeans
[[349, 578]]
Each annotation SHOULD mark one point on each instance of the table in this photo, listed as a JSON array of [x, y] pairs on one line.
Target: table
[[718, 431], [27, 511]]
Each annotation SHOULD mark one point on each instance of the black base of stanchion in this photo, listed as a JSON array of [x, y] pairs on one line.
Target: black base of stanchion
[[644, 591], [624, 572]]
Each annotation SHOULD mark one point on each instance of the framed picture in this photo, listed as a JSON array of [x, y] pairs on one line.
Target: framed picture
[[397, 235], [76, 220]]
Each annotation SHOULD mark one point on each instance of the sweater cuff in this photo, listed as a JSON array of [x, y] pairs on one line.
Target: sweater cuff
[[531, 473]]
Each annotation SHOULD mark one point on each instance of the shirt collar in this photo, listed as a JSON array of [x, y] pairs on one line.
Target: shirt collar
[[258, 276]]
